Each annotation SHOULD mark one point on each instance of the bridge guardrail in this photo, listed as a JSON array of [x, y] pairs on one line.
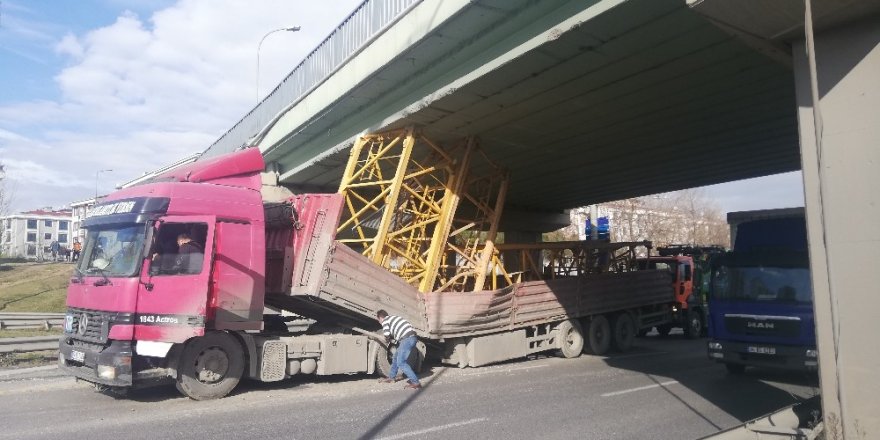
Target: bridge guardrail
[[367, 21]]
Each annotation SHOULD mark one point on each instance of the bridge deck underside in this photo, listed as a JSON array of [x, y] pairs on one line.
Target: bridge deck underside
[[644, 98]]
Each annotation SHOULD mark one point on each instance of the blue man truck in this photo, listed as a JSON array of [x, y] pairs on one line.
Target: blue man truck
[[761, 299]]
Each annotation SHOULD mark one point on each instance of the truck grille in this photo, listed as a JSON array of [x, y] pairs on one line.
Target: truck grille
[[93, 325], [760, 325]]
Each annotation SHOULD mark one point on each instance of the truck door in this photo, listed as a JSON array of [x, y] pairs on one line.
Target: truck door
[[684, 280], [173, 293]]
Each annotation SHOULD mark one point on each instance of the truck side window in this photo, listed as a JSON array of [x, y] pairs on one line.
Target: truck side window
[[178, 249], [687, 272]]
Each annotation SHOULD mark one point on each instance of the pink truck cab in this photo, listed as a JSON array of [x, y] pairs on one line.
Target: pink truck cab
[[134, 300]]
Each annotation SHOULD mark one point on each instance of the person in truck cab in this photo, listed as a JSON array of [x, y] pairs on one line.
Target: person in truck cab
[[189, 255], [401, 331]]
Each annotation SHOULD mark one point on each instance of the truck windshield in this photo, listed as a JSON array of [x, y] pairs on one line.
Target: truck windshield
[[114, 250], [763, 284]]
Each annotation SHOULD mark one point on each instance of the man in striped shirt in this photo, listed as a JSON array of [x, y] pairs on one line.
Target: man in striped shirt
[[400, 331]]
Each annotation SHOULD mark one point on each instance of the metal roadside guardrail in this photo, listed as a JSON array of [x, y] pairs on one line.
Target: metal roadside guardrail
[[16, 321], [22, 345]]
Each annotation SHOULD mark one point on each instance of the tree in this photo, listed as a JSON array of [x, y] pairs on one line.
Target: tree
[[680, 217]]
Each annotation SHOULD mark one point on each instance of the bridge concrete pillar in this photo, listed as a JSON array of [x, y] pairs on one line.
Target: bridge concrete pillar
[[842, 192]]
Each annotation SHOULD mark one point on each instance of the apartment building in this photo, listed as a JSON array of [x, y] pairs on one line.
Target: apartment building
[[29, 234]]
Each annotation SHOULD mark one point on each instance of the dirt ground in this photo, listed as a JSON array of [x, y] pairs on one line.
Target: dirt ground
[[31, 359]]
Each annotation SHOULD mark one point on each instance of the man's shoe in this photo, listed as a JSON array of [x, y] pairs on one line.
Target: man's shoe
[[415, 386]]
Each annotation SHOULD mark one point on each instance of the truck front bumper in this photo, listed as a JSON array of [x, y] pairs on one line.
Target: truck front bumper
[[110, 365], [764, 355]]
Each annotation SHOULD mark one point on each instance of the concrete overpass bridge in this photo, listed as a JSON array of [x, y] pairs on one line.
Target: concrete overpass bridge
[[591, 101]]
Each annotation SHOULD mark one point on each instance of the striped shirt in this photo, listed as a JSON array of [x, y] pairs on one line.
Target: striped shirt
[[397, 327]]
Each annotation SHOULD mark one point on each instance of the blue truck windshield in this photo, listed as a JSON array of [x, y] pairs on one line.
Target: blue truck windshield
[[763, 284]]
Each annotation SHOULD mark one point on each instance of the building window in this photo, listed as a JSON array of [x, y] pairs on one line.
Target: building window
[[32, 224], [47, 223], [8, 237], [47, 236], [62, 225], [31, 249], [62, 238], [31, 237]]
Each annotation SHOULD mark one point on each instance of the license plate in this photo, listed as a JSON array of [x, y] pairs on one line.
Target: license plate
[[762, 350], [77, 356]]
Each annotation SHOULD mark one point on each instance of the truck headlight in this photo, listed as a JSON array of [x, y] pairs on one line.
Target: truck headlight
[[715, 346], [107, 372], [812, 353]]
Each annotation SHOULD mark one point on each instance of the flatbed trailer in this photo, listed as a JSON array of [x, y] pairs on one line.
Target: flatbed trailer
[[597, 310]]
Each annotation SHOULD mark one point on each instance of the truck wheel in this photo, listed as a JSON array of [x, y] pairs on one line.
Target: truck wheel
[[383, 361], [384, 358], [735, 368], [599, 335], [571, 338], [693, 328], [624, 332], [210, 366]]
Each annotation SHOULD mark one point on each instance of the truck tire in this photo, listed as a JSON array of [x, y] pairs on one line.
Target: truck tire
[[599, 335], [735, 368], [210, 366], [571, 338], [693, 328], [624, 332], [384, 358], [383, 361]]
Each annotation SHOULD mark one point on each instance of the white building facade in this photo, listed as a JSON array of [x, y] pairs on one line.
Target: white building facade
[[29, 234]]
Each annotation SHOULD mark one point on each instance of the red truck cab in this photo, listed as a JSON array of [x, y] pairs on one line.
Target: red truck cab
[[689, 312], [133, 294]]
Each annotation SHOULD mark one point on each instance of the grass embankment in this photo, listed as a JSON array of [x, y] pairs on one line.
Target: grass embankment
[[34, 287]]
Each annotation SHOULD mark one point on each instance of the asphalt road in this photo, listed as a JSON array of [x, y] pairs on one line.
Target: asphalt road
[[663, 389]]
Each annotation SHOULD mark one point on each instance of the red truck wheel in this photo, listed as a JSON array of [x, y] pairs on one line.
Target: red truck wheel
[[210, 366], [693, 328]]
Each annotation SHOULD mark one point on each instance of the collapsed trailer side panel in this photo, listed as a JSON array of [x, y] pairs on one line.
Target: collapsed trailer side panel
[[330, 281], [453, 314]]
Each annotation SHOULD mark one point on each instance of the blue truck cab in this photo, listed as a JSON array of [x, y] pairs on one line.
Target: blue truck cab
[[761, 299]]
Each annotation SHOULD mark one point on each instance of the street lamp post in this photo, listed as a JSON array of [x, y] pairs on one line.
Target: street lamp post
[[97, 173], [259, 46]]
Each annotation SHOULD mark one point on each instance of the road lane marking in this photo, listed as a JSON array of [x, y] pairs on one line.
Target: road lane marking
[[499, 370], [646, 387], [435, 428]]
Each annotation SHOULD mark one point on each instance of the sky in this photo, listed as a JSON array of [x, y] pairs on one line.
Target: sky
[[133, 85]]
